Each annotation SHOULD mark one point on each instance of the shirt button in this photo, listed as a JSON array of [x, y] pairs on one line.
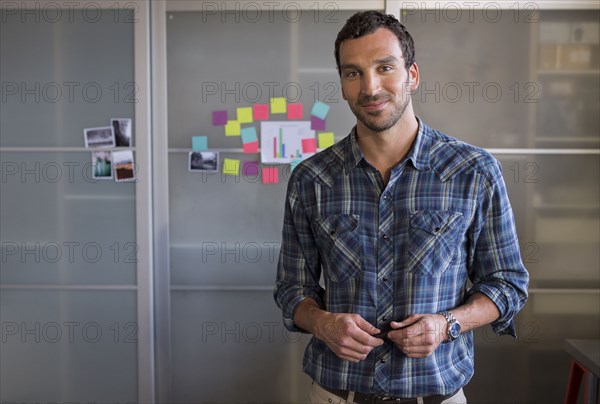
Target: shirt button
[[385, 278], [385, 237], [384, 318], [382, 360]]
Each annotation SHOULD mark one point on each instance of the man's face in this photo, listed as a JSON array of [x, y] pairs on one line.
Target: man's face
[[374, 80]]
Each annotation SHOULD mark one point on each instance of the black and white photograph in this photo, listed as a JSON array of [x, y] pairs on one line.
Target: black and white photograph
[[203, 161], [102, 165], [99, 137], [124, 166], [122, 129]]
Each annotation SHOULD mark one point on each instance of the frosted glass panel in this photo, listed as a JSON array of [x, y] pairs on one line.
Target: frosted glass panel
[[69, 346], [509, 78], [535, 364], [61, 225], [61, 75], [238, 353], [556, 201]]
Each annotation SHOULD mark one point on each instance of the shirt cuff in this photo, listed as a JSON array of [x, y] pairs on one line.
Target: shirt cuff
[[290, 308], [504, 324]]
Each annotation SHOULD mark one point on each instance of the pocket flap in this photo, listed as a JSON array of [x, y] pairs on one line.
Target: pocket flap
[[434, 221], [338, 224]]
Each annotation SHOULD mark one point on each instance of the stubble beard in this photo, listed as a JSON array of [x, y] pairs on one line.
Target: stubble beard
[[374, 120]]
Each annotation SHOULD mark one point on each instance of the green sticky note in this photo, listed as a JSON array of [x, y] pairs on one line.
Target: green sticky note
[[326, 139], [244, 115], [232, 128], [199, 143], [231, 167], [278, 105]]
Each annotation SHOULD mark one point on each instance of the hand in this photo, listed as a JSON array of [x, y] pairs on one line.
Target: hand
[[420, 335], [349, 336]]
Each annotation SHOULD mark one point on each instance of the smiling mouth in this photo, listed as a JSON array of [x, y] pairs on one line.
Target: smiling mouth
[[374, 106]]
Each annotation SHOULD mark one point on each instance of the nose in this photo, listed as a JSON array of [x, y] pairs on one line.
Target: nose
[[370, 84]]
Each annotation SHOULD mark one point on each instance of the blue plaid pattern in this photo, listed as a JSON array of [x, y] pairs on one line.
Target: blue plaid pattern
[[356, 245]]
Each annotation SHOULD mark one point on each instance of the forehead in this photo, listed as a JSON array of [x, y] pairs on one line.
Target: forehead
[[380, 44]]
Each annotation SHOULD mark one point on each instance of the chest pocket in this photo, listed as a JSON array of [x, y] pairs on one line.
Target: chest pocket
[[339, 245], [433, 240]]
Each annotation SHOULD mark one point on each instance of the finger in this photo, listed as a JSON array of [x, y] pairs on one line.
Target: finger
[[366, 326], [407, 321]]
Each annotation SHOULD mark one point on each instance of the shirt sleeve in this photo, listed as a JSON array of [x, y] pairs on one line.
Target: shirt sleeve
[[496, 268], [299, 267]]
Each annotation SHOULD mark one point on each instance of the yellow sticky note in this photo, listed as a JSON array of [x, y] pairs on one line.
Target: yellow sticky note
[[326, 139], [233, 128], [244, 115], [278, 105], [231, 167]]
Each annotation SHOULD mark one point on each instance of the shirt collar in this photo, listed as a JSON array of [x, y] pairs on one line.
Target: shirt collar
[[418, 154]]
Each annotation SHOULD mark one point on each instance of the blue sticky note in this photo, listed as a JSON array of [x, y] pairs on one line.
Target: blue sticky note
[[249, 135], [199, 143], [320, 110]]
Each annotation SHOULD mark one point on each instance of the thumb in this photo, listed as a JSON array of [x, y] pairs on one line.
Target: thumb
[[366, 326]]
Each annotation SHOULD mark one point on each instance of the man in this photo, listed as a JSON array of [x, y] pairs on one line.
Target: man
[[396, 218]]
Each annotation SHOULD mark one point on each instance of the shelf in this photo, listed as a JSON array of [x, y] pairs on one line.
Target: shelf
[[566, 206], [572, 72]]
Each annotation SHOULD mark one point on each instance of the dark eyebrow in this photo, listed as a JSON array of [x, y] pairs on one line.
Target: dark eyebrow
[[388, 59]]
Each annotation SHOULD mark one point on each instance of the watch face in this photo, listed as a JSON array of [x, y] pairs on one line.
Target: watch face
[[454, 330]]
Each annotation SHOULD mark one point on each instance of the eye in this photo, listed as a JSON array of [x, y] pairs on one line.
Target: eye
[[386, 68], [350, 74]]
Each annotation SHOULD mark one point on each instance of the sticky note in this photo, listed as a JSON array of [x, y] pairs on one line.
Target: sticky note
[[278, 105], [219, 118], [326, 139], [317, 123], [294, 111], [244, 115], [320, 110], [251, 147], [199, 143], [249, 135], [251, 168], [260, 112], [270, 175], [294, 163], [231, 167], [232, 128], [309, 145]]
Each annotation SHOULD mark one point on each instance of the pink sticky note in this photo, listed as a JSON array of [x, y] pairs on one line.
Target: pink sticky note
[[260, 112], [219, 118], [251, 147], [309, 145], [251, 168], [270, 175], [317, 123], [294, 111]]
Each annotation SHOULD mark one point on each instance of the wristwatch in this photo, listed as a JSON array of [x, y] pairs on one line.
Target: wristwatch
[[454, 327]]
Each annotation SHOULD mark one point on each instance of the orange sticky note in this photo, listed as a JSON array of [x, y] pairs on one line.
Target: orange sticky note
[[270, 175], [260, 112], [294, 111], [309, 145], [251, 147]]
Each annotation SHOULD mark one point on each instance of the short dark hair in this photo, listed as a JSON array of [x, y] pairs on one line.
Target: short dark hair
[[367, 22]]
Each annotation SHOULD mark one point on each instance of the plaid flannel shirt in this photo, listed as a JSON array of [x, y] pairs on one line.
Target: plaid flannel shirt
[[355, 245]]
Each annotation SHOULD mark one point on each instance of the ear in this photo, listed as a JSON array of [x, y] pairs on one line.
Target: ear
[[413, 77], [343, 94]]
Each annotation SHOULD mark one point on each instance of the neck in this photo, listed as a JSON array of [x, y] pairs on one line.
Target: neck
[[385, 149]]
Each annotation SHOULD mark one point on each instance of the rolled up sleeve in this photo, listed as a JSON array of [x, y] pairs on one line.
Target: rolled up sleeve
[[496, 268], [299, 268]]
